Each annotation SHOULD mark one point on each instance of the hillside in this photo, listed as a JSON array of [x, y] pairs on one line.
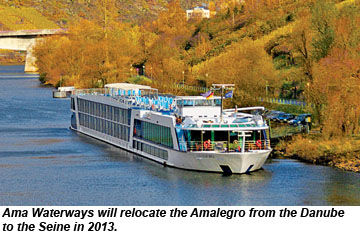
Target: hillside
[[64, 11], [12, 18]]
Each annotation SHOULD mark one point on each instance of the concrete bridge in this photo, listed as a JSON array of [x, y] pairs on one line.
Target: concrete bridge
[[25, 40]]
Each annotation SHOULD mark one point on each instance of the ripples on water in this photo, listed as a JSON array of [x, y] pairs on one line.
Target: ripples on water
[[42, 162]]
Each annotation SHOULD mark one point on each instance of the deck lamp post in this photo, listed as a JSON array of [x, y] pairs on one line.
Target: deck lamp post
[[266, 89], [183, 76]]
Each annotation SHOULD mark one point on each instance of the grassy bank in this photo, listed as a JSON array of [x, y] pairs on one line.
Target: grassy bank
[[343, 153]]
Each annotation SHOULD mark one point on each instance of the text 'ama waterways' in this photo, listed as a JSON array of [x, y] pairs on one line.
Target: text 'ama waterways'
[[45, 213]]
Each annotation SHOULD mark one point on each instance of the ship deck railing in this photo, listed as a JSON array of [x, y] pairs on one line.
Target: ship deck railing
[[95, 91], [162, 104], [225, 146]]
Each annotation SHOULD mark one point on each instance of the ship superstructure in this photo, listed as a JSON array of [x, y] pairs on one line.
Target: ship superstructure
[[188, 132]]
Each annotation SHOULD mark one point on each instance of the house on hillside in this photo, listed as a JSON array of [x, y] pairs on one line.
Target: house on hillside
[[198, 12]]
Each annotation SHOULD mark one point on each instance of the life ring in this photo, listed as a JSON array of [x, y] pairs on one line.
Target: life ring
[[258, 143], [207, 144], [178, 120]]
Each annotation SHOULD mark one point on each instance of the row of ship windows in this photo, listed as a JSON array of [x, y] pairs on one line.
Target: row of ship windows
[[107, 127], [160, 153], [153, 132], [104, 111]]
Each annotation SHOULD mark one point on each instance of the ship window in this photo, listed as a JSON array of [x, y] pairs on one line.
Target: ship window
[[155, 151], [179, 103], [82, 105], [203, 102], [224, 126], [215, 126], [78, 103], [80, 120], [116, 130], [128, 117], [86, 120], [138, 145], [109, 128], [107, 112], [103, 126], [72, 104], [217, 102], [117, 114], [233, 125], [221, 136], [121, 117], [188, 102], [154, 133], [122, 130], [91, 107]]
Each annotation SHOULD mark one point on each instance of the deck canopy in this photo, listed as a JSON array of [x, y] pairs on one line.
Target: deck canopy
[[127, 86], [126, 89]]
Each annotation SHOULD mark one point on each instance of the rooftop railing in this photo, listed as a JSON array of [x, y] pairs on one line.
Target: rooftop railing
[[98, 91], [132, 98], [224, 146]]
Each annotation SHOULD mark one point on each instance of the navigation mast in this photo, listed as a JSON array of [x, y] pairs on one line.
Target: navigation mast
[[222, 87]]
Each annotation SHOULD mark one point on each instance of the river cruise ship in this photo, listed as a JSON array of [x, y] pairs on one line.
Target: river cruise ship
[[187, 132]]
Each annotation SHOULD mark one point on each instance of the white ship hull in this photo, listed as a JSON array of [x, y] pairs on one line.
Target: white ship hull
[[215, 162], [207, 161]]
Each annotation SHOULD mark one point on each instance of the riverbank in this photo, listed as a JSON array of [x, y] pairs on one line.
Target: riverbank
[[342, 153]]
